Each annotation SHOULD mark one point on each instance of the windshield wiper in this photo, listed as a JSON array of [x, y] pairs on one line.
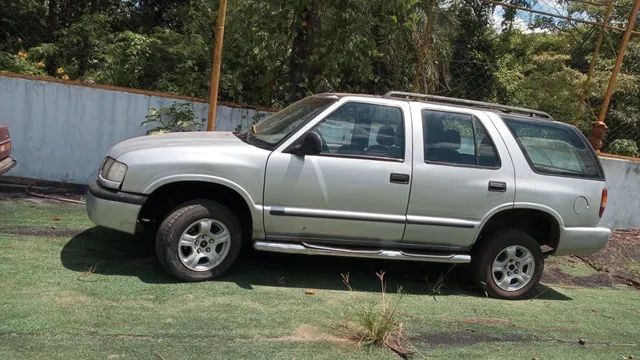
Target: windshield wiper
[[560, 170]]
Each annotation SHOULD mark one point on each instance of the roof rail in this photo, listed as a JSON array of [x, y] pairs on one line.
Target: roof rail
[[470, 103]]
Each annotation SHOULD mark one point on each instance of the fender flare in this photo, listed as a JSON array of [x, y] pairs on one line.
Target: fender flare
[[255, 208], [516, 206]]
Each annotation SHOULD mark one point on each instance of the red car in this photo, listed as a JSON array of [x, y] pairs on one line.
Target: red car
[[6, 161]]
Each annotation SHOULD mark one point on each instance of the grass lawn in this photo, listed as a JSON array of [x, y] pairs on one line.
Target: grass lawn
[[70, 290]]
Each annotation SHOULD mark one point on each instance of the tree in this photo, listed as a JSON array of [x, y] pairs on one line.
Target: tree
[[277, 51]]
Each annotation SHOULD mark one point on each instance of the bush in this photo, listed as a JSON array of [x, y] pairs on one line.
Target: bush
[[177, 117], [20, 64], [625, 147]]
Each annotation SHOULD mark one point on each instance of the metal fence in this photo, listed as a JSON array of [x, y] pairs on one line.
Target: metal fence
[[562, 98]]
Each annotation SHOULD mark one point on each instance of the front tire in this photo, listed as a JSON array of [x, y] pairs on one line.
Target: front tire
[[508, 264], [198, 241]]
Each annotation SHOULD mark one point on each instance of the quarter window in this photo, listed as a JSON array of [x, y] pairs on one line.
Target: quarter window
[[457, 139], [554, 149], [363, 130]]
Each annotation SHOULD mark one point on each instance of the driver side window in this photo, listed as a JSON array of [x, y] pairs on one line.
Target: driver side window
[[363, 130]]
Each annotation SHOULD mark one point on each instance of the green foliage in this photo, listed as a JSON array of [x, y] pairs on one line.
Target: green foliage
[[21, 24], [278, 51], [624, 147], [177, 117], [545, 83], [18, 64], [81, 43], [125, 60]]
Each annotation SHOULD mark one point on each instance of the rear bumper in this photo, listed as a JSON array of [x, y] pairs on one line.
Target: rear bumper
[[6, 165], [114, 209], [582, 240]]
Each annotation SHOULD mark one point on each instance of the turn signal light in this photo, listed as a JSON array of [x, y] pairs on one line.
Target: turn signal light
[[603, 200]]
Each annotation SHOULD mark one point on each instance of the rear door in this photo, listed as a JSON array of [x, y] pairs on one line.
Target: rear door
[[461, 172]]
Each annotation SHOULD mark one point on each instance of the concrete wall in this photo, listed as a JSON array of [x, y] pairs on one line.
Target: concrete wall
[[61, 131], [623, 206]]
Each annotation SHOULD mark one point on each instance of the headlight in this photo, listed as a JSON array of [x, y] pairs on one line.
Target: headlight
[[113, 173]]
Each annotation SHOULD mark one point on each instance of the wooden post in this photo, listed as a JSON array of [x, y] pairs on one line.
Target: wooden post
[[584, 92], [598, 130], [215, 66]]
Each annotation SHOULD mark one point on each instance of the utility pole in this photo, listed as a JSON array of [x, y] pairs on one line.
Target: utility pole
[[215, 66], [599, 128]]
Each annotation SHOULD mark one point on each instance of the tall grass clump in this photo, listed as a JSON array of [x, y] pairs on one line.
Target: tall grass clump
[[376, 321]]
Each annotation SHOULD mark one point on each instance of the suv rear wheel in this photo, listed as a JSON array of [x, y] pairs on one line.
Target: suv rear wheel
[[508, 264], [198, 241]]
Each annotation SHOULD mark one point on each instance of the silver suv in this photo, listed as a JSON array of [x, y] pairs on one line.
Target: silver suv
[[400, 176]]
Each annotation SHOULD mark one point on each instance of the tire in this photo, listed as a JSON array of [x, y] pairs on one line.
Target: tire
[[198, 241], [516, 273]]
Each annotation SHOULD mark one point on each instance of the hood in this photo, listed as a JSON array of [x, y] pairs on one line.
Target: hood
[[184, 139]]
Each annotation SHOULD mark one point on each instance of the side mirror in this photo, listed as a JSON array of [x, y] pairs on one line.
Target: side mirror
[[311, 144]]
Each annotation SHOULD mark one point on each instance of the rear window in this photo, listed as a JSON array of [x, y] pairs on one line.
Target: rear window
[[555, 149]]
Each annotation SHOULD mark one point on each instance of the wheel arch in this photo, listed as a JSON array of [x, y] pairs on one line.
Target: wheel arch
[[542, 223], [166, 194]]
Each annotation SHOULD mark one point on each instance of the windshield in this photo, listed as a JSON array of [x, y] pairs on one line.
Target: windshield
[[270, 131]]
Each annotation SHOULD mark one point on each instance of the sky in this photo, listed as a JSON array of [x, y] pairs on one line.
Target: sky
[[523, 18]]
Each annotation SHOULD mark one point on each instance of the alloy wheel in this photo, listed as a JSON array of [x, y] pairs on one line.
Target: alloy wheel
[[204, 244]]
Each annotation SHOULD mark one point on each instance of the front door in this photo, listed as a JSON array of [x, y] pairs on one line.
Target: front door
[[356, 190]]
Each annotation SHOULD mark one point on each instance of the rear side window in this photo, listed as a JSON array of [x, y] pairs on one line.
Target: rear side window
[[555, 149], [457, 139]]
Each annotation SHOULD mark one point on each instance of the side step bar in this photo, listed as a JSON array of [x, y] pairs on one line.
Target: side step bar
[[311, 249]]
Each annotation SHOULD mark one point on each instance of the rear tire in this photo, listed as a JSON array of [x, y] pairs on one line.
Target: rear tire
[[508, 264], [198, 241]]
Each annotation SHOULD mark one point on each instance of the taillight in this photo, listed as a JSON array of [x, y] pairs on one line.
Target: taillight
[[603, 200], [5, 148]]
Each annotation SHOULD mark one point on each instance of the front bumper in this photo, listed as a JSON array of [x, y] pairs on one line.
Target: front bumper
[[582, 240], [114, 209], [6, 165]]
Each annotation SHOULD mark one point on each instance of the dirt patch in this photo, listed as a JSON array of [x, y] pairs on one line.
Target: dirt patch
[[621, 256], [486, 321], [308, 333], [39, 231], [12, 196], [468, 337], [619, 259], [555, 275], [67, 298]]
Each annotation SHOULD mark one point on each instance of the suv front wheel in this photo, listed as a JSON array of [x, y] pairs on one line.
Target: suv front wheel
[[508, 264], [198, 241]]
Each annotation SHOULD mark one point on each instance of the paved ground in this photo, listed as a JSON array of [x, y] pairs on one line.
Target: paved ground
[[71, 290]]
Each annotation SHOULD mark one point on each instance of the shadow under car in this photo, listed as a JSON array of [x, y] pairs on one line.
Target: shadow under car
[[110, 252]]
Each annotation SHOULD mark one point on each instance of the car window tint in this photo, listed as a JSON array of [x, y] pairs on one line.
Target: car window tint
[[554, 149], [358, 129], [457, 139]]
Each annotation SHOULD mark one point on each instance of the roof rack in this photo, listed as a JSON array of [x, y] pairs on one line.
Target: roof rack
[[470, 103]]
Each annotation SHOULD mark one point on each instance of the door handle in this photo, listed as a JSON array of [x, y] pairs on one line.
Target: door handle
[[497, 186], [399, 178]]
